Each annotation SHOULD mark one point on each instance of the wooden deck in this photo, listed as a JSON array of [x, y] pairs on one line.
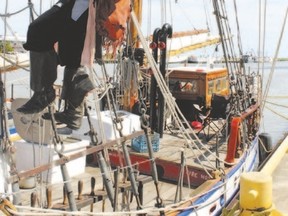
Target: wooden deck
[[168, 158], [95, 199], [168, 161]]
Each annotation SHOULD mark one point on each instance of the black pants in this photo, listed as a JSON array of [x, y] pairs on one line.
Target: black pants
[[56, 25]]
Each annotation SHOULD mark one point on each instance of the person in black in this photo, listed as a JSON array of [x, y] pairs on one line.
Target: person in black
[[65, 24]]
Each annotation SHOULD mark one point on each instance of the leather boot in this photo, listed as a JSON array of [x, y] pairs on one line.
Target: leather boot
[[74, 108], [71, 116], [67, 82], [43, 74], [39, 101], [81, 85]]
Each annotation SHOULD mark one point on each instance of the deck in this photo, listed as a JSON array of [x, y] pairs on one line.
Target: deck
[[182, 170], [168, 158], [168, 161], [94, 199]]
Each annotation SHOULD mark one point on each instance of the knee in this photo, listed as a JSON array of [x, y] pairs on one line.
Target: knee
[[38, 38]]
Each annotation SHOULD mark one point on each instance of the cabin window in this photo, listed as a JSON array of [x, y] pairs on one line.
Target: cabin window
[[224, 83], [188, 86], [210, 87], [218, 85]]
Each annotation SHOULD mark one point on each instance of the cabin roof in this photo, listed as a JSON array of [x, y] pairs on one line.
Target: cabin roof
[[197, 69], [185, 71]]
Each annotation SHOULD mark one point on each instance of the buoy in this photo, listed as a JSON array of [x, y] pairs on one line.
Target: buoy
[[256, 195]]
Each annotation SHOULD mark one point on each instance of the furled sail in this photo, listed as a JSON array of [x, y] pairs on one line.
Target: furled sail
[[182, 42]]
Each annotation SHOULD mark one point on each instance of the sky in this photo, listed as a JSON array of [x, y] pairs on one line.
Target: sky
[[184, 15]]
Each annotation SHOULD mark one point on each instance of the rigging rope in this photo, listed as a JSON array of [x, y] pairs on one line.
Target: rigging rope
[[276, 104], [15, 13], [277, 113], [239, 80], [274, 61], [119, 126], [187, 136], [108, 87], [7, 148], [174, 109], [264, 36]]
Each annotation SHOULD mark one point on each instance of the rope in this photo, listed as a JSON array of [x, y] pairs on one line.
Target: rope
[[277, 96], [276, 104], [277, 113], [15, 64], [263, 146], [170, 103], [52, 212], [274, 61], [106, 84], [15, 13], [119, 127], [7, 148], [166, 93], [175, 111]]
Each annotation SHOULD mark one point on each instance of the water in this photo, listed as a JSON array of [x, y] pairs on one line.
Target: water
[[276, 110]]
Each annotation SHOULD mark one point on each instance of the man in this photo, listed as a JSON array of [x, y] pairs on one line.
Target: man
[[65, 24]]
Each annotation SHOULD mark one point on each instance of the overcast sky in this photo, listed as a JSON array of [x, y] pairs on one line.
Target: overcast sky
[[186, 15]]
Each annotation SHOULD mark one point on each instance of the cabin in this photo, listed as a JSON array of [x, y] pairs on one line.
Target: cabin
[[192, 86]]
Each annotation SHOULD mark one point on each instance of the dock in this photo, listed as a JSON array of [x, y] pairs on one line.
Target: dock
[[276, 166]]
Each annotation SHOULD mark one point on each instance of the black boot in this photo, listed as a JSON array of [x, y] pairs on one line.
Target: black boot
[[43, 74], [71, 116], [39, 101], [74, 108], [67, 82]]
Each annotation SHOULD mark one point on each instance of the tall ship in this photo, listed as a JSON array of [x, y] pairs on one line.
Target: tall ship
[[156, 139]]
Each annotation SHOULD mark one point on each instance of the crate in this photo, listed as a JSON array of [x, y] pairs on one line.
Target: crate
[[139, 144], [30, 155]]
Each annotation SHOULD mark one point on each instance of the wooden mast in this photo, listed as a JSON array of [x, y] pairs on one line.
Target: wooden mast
[[137, 8], [130, 96]]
